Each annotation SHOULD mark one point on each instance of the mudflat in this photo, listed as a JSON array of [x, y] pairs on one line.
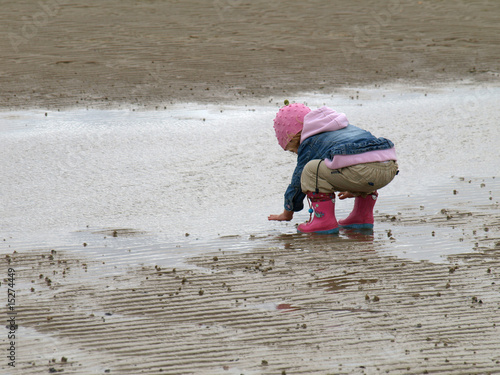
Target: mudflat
[[60, 53], [290, 304]]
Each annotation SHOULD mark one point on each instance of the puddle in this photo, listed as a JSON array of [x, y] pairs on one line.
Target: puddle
[[157, 187], [272, 306], [453, 218]]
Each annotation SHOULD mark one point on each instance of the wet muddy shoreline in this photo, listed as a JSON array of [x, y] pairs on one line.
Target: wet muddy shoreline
[[114, 272], [292, 304], [315, 307]]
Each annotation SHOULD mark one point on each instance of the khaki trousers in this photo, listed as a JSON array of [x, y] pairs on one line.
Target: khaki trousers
[[359, 179]]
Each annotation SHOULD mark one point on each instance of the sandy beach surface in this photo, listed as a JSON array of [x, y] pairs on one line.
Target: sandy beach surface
[[58, 53], [123, 253]]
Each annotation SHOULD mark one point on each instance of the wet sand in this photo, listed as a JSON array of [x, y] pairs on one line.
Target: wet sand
[[60, 53], [297, 304]]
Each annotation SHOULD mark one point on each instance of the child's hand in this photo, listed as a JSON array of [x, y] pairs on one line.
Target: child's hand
[[345, 194], [284, 216]]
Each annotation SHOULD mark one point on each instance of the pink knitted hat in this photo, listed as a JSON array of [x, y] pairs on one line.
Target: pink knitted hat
[[289, 121]]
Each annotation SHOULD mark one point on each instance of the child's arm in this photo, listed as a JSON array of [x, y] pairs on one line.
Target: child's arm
[[284, 216], [293, 196]]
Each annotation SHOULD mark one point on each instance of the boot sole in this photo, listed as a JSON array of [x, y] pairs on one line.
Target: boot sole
[[357, 226], [330, 231]]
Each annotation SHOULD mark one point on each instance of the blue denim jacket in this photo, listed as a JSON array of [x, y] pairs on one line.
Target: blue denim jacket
[[347, 141]]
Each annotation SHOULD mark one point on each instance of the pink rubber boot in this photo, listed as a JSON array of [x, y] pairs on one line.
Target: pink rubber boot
[[361, 216], [322, 212]]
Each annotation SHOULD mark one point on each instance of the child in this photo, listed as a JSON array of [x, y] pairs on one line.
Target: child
[[333, 155]]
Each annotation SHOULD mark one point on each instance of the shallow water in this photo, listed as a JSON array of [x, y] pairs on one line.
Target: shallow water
[[159, 186]]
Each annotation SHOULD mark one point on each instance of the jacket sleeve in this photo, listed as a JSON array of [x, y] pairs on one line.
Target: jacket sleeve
[[294, 197]]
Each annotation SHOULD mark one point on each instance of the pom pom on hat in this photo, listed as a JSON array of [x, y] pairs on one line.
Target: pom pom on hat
[[289, 121]]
